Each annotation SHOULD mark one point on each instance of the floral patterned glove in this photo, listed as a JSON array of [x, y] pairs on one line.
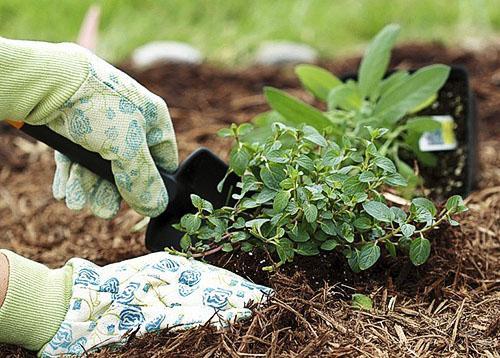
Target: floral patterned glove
[[98, 107], [147, 294]]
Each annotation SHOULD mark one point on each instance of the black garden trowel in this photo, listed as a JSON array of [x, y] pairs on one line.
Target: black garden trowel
[[199, 174]]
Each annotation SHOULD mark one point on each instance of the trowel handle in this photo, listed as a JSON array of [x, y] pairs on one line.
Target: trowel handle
[[90, 160]]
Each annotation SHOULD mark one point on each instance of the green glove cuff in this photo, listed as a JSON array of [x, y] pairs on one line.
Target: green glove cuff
[[37, 78], [36, 303]]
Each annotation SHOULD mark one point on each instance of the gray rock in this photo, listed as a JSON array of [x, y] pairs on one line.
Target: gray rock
[[283, 52], [165, 52]]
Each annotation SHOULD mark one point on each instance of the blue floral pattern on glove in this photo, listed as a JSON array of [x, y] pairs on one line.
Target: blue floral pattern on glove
[[166, 265], [148, 294], [113, 115], [77, 347], [63, 337], [111, 285], [127, 295], [79, 125], [216, 297], [190, 277], [155, 324], [131, 317], [86, 277]]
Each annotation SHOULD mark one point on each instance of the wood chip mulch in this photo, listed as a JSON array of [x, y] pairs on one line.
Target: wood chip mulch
[[450, 307]]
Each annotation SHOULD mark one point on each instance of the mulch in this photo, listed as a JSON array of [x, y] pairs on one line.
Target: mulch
[[448, 307]]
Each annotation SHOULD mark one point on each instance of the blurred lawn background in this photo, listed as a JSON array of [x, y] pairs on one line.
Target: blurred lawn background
[[229, 31]]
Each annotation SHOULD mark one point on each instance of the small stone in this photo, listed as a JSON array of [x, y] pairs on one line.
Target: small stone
[[165, 52], [284, 52], [495, 78]]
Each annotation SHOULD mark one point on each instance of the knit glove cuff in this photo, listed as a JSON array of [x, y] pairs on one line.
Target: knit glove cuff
[[36, 303]]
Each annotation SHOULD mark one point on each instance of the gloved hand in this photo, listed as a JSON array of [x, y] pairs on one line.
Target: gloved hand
[[147, 294], [99, 107]]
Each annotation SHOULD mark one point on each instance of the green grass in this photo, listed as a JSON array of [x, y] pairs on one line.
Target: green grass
[[228, 31]]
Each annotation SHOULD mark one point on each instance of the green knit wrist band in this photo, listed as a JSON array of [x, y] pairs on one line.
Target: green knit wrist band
[[36, 303], [37, 78]]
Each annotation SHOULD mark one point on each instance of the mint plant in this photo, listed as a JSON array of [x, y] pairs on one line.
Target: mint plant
[[371, 101], [302, 192]]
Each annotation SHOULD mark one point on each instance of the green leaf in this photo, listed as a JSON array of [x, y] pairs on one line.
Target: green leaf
[[455, 205], [317, 80], [398, 214], [312, 135], [405, 170], [374, 134], [220, 186], [185, 242], [191, 222], [225, 132], [376, 59], [396, 79], [346, 232], [244, 129], [329, 245], [311, 213], [368, 256], [239, 161], [246, 246], [299, 234], [425, 203], [420, 250], [385, 163], [367, 177], [247, 203], [352, 185], [329, 228], [395, 179], [421, 214], [389, 246], [277, 156], [420, 86], [426, 103], [307, 249], [359, 197], [378, 210], [305, 162], [201, 204], [344, 97], [407, 230], [227, 247], [423, 124], [295, 111], [239, 236], [256, 223], [353, 261], [362, 223], [361, 301], [285, 250], [264, 196], [272, 176], [281, 201]]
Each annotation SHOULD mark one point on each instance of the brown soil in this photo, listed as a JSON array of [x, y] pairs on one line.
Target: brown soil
[[448, 307]]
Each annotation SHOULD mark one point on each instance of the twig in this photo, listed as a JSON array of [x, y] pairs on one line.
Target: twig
[[457, 320]]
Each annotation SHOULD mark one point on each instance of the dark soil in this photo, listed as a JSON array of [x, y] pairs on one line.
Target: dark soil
[[448, 307]]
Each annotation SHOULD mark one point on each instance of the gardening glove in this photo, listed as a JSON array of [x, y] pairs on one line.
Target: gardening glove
[[85, 99], [108, 304]]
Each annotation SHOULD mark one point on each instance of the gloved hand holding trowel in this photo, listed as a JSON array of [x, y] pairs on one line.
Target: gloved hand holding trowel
[[81, 306]]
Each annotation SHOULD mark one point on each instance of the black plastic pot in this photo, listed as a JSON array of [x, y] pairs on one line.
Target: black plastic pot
[[458, 167], [456, 171]]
